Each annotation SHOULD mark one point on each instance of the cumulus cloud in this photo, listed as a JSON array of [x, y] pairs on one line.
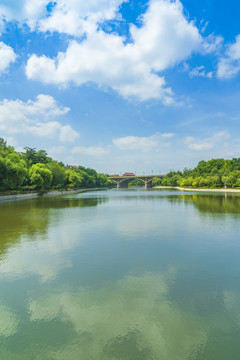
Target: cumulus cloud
[[35, 117], [229, 64], [24, 11], [133, 69], [34, 10], [208, 143], [95, 151], [7, 56], [143, 144], [76, 17], [72, 17], [164, 39]]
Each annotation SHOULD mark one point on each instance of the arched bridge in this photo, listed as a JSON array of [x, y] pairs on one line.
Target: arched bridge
[[122, 181]]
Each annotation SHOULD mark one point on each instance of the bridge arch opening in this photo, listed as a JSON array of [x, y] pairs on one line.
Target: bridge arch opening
[[122, 181]]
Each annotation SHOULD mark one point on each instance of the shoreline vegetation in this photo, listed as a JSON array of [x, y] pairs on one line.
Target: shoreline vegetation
[[215, 174], [197, 189], [34, 171], [35, 194]]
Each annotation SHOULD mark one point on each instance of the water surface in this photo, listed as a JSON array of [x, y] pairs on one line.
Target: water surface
[[122, 274]]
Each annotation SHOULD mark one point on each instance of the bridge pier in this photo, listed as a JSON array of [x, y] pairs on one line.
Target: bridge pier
[[122, 181], [148, 184], [122, 185]]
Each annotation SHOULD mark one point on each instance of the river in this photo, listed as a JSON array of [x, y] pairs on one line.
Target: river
[[128, 274]]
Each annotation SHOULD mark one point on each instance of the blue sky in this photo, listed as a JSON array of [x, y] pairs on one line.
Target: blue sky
[[144, 86]]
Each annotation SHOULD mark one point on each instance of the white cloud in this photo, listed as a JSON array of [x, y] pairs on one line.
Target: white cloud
[[7, 56], [35, 117], [167, 135], [76, 17], [2, 25], [143, 144], [165, 39], [204, 25], [72, 17], [51, 128], [199, 71], [24, 11], [56, 151], [229, 65], [11, 141], [212, 43], [34, 10], [201, 146], [95, 151], [208, 143], [68, 134]]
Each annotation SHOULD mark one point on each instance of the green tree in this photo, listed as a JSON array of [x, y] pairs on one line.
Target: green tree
[[3, 173], [165, 181], [92, 181], [30, 155], [174, 181], [215, 181], [102, 180], [58, 174], [40, 176], [204, 181], [183, 183], [73, 179], [157, 181], [13, 169], [189, 181], [34, 157], [85, 177], [16, 170], [136, 182]]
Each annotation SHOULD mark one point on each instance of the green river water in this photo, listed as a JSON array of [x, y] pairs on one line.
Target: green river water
[[124, 274]]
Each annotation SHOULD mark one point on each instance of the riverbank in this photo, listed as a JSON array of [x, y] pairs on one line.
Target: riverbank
[[200, 190], [32, 195]]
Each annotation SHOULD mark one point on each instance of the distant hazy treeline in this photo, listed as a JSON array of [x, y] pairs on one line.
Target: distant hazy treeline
[[35, 170], [215, 173]]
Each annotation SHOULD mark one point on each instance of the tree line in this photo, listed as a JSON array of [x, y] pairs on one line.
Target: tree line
[[215, 173], [35, 170]]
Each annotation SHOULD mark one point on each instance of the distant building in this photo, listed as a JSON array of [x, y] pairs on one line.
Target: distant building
[[73, 166], [113, 175]]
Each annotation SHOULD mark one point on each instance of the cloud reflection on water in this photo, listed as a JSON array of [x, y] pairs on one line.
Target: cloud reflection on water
[[129, 319], [8, 321]]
